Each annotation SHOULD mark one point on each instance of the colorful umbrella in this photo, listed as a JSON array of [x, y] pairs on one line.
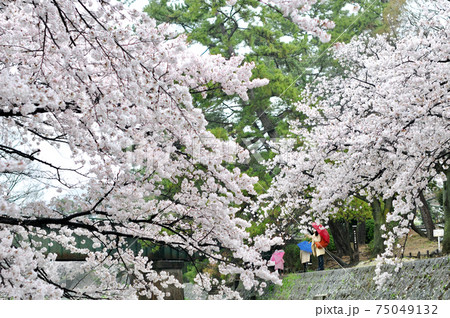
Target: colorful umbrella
[[305, 246], [277, 257], [322, 231]]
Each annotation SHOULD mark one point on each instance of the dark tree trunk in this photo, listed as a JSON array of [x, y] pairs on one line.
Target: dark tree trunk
[[267, 122], [418, 231], [361, 232], [340, 232], [426, 216], [379, 218]]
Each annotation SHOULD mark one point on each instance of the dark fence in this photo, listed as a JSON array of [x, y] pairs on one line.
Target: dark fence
[[428, 254]]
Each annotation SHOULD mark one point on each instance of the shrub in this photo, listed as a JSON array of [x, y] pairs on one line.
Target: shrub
[[292, 257]]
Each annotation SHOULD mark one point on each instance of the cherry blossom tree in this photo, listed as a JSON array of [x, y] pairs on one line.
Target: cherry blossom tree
[[379, 132], [115, 90]]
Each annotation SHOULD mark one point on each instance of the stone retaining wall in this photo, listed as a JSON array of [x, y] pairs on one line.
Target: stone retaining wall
[[421, 279]]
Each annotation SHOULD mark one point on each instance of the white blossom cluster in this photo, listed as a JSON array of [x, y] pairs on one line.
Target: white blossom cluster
[[379, 131], [119, 94]]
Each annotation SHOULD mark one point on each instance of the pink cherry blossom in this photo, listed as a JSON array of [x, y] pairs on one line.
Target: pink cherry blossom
[[116, 91], [380, 131]]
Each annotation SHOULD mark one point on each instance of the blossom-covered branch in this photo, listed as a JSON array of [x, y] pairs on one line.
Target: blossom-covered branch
[[116, 89], [380, 131]]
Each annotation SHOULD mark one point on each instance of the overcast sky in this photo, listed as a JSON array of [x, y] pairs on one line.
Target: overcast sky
[[139, 4]]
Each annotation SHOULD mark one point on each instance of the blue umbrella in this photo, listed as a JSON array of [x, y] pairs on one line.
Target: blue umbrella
[[305, 246]]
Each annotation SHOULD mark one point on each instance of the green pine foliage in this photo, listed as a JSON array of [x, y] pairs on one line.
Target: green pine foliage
[[282, 53]]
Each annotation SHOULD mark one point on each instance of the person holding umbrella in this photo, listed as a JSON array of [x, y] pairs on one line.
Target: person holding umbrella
[[277, 258], [305, 254], [320, 240]]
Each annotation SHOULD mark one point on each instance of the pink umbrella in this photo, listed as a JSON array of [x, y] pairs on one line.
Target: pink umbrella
[[322, 231], [277, 257]]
